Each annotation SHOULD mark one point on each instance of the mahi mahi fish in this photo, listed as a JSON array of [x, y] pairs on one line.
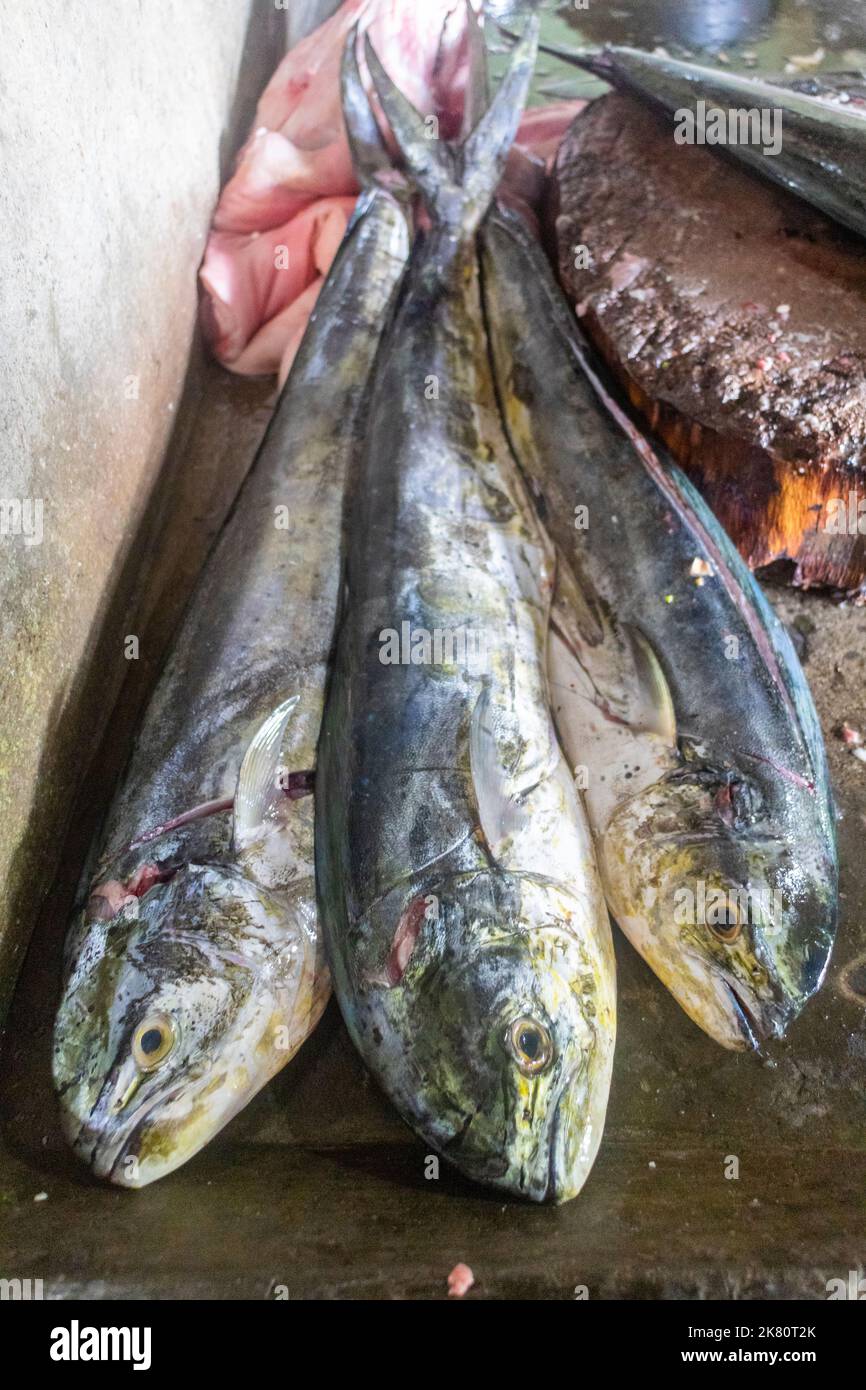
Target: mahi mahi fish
[[195, 970], [677, 693], [463, 917], [812, 147]]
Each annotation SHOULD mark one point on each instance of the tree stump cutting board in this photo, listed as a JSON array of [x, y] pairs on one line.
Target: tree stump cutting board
[[735, 317]]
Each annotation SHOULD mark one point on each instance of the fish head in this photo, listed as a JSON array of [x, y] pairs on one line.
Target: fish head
[[491, 1027], [702, 875], [177, 1009]]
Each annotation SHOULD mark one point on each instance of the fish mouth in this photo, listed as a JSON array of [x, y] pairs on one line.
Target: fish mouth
[[745, 1020], [758, 1023], [130, 1145], [106, 1153], [503, 1168], [554, 1192], [727, 1009], [563, 1185]]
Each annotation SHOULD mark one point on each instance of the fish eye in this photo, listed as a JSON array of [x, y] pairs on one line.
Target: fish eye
[[729, 930], [152, 1041], [726, 932], [530, 1045]]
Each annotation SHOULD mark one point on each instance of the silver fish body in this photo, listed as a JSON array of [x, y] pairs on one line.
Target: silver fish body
[[814, 148], [677, 693], [463, 916], [195, 968]]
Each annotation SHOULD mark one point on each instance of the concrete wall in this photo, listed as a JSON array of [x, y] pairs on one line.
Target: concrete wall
[[118, 120]]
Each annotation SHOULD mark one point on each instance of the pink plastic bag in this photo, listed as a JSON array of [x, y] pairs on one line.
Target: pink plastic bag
[[282, 214]]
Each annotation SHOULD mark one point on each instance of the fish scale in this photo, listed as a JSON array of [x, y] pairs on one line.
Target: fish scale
[[462, 912], [676, 689], [195, 968]]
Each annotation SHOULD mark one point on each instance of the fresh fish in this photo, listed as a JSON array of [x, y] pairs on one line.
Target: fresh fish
[[821, 154], [463, 917], [195, 969], [677, 693]]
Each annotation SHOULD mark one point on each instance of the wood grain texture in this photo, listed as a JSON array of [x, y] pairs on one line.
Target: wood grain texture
[[735, 318]]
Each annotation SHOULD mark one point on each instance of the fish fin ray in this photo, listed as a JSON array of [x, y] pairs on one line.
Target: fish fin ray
[[486, 149], [258, 791], [500, 814], [659, 713], [592, 657]]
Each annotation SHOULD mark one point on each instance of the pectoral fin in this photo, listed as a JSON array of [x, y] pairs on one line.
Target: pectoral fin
[[612, 706], [259, 792], [658, 715], [500, 813], [593, 657]]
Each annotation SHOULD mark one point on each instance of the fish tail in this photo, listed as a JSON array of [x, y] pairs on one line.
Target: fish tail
[[458, 181], [477, 97], [369, 152]]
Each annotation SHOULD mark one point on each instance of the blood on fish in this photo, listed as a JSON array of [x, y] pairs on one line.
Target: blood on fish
[[297, 785], [724, 804], [144, 878], [109, 898], [405, 937]]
